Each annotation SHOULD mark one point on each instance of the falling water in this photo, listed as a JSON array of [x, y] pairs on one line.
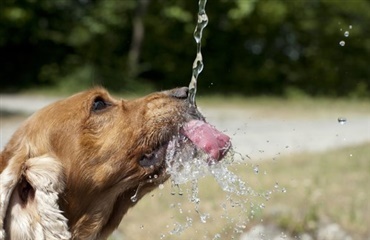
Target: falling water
[[198, 62], [187, 166]]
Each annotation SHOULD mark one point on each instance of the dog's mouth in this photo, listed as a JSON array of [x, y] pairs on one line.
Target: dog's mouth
[[193, 137]]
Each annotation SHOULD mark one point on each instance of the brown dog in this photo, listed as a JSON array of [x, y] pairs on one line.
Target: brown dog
[[70, 170]]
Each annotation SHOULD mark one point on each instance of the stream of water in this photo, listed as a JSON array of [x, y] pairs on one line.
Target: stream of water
[[198, 62]]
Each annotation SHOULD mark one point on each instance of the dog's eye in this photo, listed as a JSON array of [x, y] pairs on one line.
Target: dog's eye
[[99, 104]]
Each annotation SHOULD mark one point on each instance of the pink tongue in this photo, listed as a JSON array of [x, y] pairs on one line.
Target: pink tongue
[[207, 138]]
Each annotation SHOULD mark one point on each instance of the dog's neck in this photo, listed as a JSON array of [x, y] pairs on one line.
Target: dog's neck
[[98, 217]]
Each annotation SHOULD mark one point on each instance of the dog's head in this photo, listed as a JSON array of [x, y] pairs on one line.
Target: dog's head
[[86, 156]]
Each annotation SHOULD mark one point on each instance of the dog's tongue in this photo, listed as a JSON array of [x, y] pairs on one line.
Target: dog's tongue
[[207, 138]]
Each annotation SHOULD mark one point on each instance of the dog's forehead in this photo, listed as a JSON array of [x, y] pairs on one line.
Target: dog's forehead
[[73, 107], [90, 94], [85, 98]]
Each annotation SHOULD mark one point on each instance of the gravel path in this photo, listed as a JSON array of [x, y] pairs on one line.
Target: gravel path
[[253, 136]]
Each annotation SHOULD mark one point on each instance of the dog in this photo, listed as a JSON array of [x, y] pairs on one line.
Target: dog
[[71, 169]]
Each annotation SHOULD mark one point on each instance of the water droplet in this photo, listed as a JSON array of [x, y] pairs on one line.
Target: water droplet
[[161, 186], [342, 43], [283, 235], [134, 198], [203, 218], [283, 190], [142, 227], [350, 155], [217, 236], [342, 120], [276, 185], [256, 169], [180, 192], [346, 33], [350, 26]]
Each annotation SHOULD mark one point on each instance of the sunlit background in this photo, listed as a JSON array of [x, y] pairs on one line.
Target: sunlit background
[[289, 81]]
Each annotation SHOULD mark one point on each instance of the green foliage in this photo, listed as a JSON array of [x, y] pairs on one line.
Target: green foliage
[[252, 47], [242, 9]]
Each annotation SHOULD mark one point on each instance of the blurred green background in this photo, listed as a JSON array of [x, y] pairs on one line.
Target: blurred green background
[[250, 47]]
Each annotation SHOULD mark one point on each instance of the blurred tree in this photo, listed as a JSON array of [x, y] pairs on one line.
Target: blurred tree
[[249, 47], [280, 46], [64, 42], [137, 38]]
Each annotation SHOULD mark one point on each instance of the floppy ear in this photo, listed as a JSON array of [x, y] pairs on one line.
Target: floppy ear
[[29, 193]]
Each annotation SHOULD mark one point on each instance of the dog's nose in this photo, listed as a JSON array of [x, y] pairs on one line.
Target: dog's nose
[[181, 93]]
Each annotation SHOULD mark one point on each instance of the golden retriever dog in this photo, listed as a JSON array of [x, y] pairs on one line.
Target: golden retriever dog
[[70, 171]]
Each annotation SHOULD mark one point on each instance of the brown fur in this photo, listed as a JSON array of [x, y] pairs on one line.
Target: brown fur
[[99, 152]]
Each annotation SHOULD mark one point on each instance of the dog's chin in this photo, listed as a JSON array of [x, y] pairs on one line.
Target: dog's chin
[[155, 163], [156, 158], [193, 137]]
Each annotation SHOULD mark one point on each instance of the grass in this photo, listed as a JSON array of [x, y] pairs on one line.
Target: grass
[[332, 186], [296, 192]]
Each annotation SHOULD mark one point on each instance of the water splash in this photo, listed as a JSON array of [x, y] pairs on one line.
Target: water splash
[[228, 181], [241, 204], [198, 62]]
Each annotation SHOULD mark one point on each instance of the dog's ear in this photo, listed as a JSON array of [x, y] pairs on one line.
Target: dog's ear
[[29, 193]]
